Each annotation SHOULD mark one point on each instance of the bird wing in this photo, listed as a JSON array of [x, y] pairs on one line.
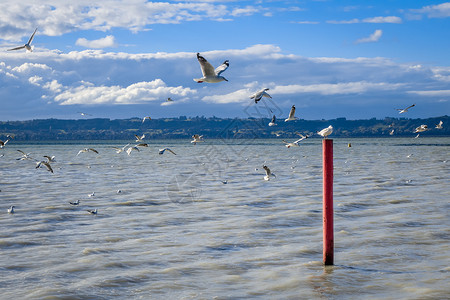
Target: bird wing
[[32, 36], [171, 151], [17, 48], [266, 168], [207, 68], [22, 152], [220, 69], [410, 106], [48, 166], [93, 150], [274, 119], [292, 112]]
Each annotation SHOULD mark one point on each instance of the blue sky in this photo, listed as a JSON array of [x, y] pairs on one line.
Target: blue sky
[[122, 59]]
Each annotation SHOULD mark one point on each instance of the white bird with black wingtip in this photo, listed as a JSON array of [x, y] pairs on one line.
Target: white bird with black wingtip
[[210, 74]]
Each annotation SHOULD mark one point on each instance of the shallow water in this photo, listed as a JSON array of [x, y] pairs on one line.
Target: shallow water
[[177, 232]]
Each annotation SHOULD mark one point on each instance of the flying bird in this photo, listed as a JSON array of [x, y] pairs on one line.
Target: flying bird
[[209, 74], [46, 164], [272, 122], [131, 148], [196, 139], [421, 128], [87, 150], [392, 132], [75, 202], [3, 143], [91, 195], [400, 110], [92, 212], [24, 155], [292, 116], [139, 138], [258, 95], [295, 144], [50, 158], [120, 150], [84, 114], [146, 118], [268, 173], [439, 126], [11, 209], [161, 151], [326, 131], [169, 99], [27, 45]]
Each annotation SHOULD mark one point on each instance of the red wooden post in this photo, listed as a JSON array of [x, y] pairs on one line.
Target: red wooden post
[[328, 235]]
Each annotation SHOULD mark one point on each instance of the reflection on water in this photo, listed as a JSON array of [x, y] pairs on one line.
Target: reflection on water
[[177, 231]]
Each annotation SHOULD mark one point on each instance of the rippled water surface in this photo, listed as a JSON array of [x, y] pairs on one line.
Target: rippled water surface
[[176, 231]]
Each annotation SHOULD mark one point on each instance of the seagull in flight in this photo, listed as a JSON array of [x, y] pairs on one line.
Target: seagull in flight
[[50, 158], [46, 164], [258, 95], [196, 139], [209, 74], [161, 151], [439, 126], [75, 202], [131, 148], [87, 150], [27, 45], [400, 111], [292, 116], [92, 212], [326, 131], [24, 155], [3, 143], [120, 150], [268, 173], [11, 209], [421, 128], [272, 122], [139, 138], [84, 114], [146, 118], [169, 99], [295, 144]]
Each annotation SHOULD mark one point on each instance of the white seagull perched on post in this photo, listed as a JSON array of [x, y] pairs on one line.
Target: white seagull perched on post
[[209, 74], [400, 110], [258, 95], [272, 122], [268, 173], [326, 131], [27, 45], [292, 116]]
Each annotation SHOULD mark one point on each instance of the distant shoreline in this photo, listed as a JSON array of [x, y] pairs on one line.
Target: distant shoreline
[[213, 128]]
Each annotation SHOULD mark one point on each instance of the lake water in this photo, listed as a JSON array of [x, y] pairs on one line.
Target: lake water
[[176, 231]]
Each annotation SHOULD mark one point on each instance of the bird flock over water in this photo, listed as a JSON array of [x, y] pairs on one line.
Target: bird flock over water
[[209, 75]]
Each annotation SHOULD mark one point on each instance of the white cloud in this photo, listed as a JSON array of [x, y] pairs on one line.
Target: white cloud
[[106, 80], [139, 92], [435, 11], [106, 42], [55, 18], [374, 37], [388, 19]]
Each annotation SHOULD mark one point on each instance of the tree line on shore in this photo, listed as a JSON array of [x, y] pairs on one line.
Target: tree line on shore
[[213, 127]]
